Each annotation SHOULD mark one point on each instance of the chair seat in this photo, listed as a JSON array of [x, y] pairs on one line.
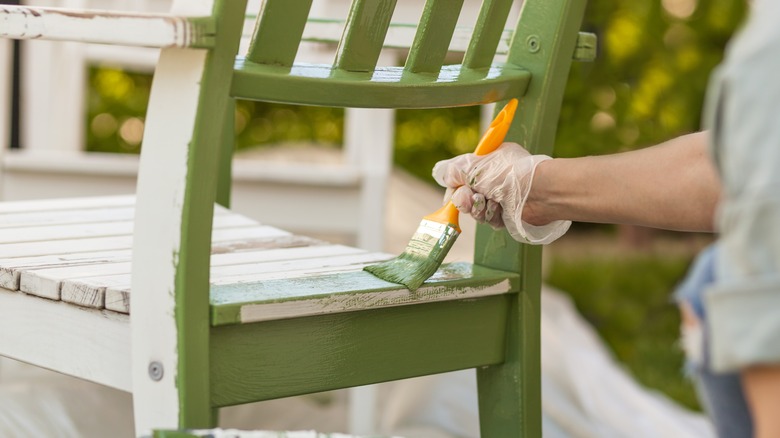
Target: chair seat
[[78, 251]]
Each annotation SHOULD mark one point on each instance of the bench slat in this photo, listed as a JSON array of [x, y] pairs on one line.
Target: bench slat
[[487, 33], [364, 34], [434, 34], [350, 291], [50, 287], [278, 31], [68, 204], [89, 230], [73, 283], [117, 297], [66, 217], [93, 244]]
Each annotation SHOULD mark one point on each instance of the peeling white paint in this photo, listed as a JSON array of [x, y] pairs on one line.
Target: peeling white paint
[[351, 302], [147, 30], [160, 197]]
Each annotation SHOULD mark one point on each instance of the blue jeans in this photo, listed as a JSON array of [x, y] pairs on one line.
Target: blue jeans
[[720, 394]]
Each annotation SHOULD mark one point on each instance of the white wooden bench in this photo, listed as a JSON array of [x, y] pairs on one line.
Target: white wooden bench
[[223, 310]]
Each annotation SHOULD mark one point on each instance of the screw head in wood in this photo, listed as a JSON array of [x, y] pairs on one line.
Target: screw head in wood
[[533, 44], [156, 371]]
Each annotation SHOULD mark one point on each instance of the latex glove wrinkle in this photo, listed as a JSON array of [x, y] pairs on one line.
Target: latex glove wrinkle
[[493, 189]]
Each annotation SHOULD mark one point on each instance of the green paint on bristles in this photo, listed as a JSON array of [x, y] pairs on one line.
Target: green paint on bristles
[[421, 258]]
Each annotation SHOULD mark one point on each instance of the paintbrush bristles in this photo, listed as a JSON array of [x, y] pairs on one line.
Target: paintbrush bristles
[[421, 258]]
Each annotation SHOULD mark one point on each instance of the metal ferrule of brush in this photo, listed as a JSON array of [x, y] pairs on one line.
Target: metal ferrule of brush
[[432, 238]]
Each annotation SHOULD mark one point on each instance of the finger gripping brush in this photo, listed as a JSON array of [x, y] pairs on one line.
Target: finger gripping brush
[[439, 230]]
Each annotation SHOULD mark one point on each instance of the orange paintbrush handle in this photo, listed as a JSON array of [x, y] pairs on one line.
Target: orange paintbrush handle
[[489, 142], [497, 130]]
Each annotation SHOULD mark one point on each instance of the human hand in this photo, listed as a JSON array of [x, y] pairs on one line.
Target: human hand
[[493, 189]]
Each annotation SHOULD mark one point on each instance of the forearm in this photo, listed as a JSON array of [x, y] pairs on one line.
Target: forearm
[[672, 185]]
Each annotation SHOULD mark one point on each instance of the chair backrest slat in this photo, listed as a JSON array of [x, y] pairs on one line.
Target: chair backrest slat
[[364, 35], [433, 37], [487, 33], [278, 30]]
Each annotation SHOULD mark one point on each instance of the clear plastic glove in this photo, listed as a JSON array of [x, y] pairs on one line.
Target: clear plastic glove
[[493, 189]]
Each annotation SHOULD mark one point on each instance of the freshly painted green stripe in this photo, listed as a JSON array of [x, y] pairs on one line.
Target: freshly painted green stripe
[[273, 359], [387, 87], [544, 42], [364, 35], [192, 261], [351, 289], [433, 36], [278, 31], [227, 147], [487, 32]]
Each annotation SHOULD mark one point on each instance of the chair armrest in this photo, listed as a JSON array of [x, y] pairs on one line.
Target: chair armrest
[[104, 27]]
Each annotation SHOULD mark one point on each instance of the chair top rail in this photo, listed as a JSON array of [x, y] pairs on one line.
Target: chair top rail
[[105, 27], [166, 30]]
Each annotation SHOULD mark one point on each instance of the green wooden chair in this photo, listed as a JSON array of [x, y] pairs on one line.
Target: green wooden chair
[[224, 311]]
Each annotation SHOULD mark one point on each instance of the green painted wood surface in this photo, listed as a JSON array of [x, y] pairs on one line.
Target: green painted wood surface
[[587, 47], [193, 260], [387, 87], [225, 180], [278, 30], [510, 393], [364, 34], [487, 32], [433, 37], [585, 41], [354, 290], [273, 359]]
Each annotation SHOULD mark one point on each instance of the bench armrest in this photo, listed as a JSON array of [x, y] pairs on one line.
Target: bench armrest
[[104, 27]]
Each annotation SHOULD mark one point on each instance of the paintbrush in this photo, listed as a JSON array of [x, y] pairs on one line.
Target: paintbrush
[[439, 230]]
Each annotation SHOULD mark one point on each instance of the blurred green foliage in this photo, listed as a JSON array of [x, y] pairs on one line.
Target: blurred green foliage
[[116, 107], [648, 82]]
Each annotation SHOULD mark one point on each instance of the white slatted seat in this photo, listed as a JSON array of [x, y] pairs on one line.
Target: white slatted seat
[[78, 251]]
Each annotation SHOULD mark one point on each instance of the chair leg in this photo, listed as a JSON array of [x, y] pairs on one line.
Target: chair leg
[[362, 410], [510, 393]]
